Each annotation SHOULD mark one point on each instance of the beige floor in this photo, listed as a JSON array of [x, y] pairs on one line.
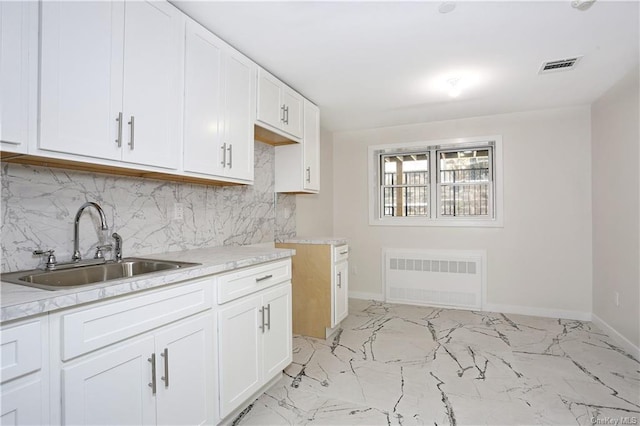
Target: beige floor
[[408, 365]]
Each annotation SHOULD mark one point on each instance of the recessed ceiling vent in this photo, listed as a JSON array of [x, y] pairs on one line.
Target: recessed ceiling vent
[[559, 65]]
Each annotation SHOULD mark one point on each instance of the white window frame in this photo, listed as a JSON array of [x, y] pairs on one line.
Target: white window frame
[[495, 220]]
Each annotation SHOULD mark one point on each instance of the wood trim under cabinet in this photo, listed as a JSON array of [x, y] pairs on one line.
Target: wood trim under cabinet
[[33, 160]]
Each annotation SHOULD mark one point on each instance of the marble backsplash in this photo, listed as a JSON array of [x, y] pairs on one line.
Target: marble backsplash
[[39, 205]]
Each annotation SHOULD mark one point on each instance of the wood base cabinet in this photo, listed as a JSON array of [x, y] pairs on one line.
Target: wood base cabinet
[[320, 287]]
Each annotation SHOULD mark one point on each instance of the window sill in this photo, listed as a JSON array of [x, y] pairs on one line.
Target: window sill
[[445, 223]]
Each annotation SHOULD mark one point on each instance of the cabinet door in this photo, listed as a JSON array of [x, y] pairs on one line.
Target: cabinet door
[[18, 73], [277, 337], [311, 147], [270, 110], [112, 387], [239, 352], [341, 292], [293, 112], [81, 77], [152, 83], [202, 102], [239, 81], [22, 402], [184, 371]]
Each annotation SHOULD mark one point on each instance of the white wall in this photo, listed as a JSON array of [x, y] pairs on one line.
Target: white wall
[[616, 208], [314, 211], [540, 262]]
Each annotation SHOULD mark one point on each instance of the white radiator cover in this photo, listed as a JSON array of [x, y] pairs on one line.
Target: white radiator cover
[[451, 278]]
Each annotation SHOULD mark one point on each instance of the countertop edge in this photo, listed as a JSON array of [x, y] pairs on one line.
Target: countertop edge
[[21, 302]]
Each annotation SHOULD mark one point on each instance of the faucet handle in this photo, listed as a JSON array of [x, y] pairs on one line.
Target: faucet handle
[[99, 249], [50, 265]]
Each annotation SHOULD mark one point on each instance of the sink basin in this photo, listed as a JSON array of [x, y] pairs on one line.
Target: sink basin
[[81, 275]]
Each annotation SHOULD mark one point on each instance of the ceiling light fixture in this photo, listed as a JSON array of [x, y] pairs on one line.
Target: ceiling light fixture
[[582, 4], [454, 89], [446, 7]]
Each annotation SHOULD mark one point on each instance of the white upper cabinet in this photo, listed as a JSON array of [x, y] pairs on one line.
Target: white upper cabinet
[[219, 100], [107, 95], [152, 87], [18, 74], [279, 108], [202, 101], [239, 105], [298, 165]]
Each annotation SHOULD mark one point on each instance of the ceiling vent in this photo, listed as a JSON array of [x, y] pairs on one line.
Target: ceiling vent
[[559, 65]]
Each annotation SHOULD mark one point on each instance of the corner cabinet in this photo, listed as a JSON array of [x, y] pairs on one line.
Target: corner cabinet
[[298, 165], [18, 74], [254, 331], [219, 100], [320, 287], [279, 108], [110, 81]]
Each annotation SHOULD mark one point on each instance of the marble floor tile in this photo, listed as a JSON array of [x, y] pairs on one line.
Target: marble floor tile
[[394, 364]]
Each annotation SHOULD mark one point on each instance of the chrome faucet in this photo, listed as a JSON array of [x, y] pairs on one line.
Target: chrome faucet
[[76, 228]]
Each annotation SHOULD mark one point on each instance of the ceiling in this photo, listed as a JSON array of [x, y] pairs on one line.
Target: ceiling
[[375, 64]]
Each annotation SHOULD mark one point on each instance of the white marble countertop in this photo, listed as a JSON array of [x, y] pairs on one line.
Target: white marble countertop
[[335, 241], [18, 301]]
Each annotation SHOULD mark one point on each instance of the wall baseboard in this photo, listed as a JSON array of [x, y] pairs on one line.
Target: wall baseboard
[[538, 312], [378, 297], [626, 344]]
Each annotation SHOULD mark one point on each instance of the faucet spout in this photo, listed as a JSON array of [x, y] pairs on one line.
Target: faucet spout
[[76, 227]]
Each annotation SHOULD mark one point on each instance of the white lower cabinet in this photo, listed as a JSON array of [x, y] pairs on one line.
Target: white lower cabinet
[[111, 387], [24, 373], [341, 292], [144, 359], [154, 379], [254, 340]]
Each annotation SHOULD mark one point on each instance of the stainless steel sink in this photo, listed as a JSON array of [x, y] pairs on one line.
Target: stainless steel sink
[[80, 275]]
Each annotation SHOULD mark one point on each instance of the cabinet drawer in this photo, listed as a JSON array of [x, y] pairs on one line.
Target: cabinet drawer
[[249, 280], [340, 253], [95, 327], [21, 349]]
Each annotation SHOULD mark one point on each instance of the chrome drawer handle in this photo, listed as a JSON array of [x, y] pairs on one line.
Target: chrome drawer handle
[[132, 123], [152, 360], [119, 120], [266, 277], [165, 378], [344, 252]]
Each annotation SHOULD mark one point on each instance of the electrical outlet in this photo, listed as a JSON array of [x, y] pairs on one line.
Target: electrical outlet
[[617, 298], [178, 212]]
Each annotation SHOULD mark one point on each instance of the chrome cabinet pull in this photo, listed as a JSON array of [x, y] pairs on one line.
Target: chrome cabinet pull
[[309, 174], [119, 120], [132, 123], [282, 113], [152, 360], [262, 312], [344, 252], [286, 112], [266, 277], [165, 378], [224, 155], [340, 279], [268, 316], [230, 163]]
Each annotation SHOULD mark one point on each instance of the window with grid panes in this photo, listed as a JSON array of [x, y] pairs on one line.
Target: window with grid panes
[[431, 184]]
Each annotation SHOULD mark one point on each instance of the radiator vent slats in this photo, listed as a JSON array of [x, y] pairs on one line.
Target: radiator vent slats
[[452, 278]]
